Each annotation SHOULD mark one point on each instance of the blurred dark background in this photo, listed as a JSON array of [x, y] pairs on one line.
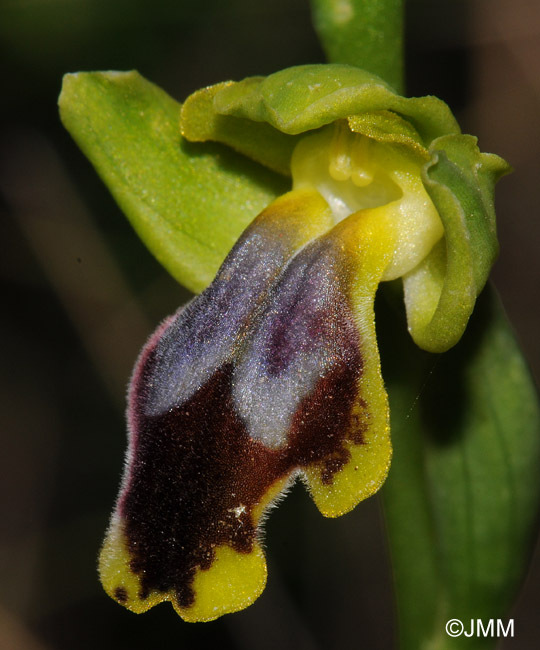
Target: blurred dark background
[[80, 294]]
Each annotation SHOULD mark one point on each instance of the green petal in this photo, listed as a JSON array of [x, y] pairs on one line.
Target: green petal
[[441, 292], [260, 142], [304, 98], [188, 203], [388, 127]]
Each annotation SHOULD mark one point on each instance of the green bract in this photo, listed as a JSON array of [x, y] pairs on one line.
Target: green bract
[[265, 118]]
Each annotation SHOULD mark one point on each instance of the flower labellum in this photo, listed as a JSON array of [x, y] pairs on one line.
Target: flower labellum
[[273, 372]]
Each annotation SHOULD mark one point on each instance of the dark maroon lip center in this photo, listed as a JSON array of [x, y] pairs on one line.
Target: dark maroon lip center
[[197, 474]]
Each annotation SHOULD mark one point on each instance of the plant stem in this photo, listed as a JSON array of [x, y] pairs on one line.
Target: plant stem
[[364, 33]]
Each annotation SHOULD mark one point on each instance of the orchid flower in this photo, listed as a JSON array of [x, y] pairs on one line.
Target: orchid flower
[[272, 373]]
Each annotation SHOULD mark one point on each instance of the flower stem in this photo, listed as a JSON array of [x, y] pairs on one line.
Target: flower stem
[[364, 33]]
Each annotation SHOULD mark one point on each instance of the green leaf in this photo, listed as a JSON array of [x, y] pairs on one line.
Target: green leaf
[[188, 203], [462, 497], [364, 33]]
